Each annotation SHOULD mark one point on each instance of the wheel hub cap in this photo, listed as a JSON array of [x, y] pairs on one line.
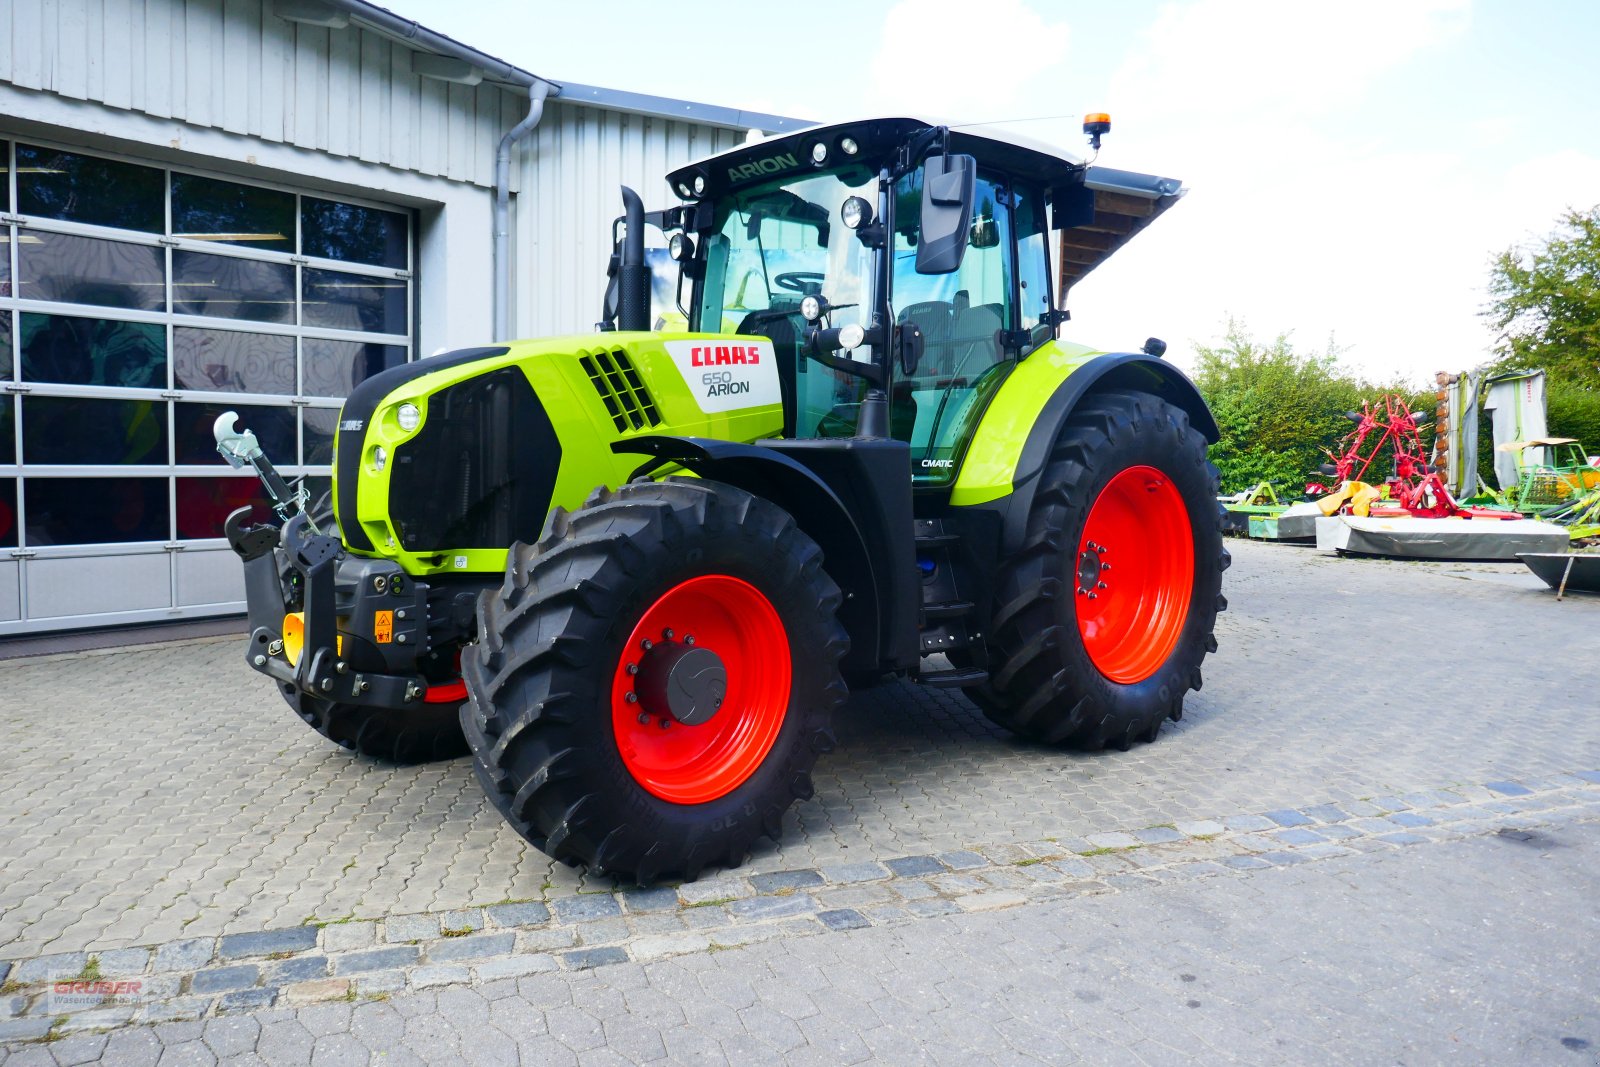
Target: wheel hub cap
[[681, 682]]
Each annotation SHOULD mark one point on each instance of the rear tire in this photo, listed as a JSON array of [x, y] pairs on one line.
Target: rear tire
[[591, 778], [1086, 664]]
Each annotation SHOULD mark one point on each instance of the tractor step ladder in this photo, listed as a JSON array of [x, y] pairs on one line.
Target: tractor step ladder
[[949, 618]]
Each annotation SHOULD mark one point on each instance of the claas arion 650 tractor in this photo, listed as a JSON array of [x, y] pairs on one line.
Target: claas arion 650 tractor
[[635, 572]]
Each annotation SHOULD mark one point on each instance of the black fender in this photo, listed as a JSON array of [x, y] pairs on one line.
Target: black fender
[[768, 470], [1116, 370]]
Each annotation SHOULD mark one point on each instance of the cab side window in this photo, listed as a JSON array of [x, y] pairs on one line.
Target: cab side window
[[1033, 264]]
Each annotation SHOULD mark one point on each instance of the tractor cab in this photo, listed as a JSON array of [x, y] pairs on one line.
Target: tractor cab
[[892, 256]]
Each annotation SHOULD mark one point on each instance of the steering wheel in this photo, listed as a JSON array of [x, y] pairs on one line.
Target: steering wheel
[[804, 282]]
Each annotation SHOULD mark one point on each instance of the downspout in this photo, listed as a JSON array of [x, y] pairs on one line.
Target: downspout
[[504, 296]]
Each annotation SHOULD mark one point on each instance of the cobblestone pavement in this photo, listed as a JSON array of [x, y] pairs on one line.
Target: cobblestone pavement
[[166, 794], [1463, 948]]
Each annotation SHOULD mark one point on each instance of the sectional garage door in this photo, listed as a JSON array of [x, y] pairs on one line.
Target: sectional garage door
[[136, 303]]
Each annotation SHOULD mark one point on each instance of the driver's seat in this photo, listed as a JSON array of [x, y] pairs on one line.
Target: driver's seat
[[785, 338]]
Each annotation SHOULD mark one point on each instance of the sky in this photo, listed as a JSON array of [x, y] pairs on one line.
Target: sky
[[1352, 167]]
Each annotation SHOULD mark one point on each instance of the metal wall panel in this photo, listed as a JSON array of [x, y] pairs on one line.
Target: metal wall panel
[[572, 166], [65, 586], [233, 65], [209, 576], [10, 593]]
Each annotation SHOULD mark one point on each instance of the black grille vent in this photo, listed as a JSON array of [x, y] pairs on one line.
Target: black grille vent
[[627, 400]]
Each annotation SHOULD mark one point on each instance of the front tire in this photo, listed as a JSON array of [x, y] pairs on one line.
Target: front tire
[[1104, 615], [655, 680]]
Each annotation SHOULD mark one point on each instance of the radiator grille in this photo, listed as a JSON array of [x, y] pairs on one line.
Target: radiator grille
[[627, 401]]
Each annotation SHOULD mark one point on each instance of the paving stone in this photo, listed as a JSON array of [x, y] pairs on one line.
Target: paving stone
[[513, 967], [248, 999], [266, 942], [186, 955], [1247, 823], [637, 901], [223, 979], [771, 883], [913, 866], [346, 936], [1289, 817], [375, 959], [122, 962], [844, 873], [47, 968], [315, 992], [587, 906], [1510, 789], [1158, 835], [585, 958], [772, 907], [1299, 836], [398, 929], [467, 948], [842, 919], [438, 975], [300, 969], [1410, 818]]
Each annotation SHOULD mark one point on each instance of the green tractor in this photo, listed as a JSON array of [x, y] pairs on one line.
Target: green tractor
[[634, 573]]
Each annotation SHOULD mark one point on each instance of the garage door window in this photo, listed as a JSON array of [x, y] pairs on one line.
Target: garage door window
[[137, 302]]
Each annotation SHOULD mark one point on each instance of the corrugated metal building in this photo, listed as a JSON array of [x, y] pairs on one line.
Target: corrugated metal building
[[253, 204]]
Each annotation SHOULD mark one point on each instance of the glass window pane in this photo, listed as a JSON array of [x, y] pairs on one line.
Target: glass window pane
[[76, 188], [83, 351], [5, 261], [205, 503], [206, 209], [8, 431], [89, 511], [229, 361], [230, 288], [5, 345], [8, 513], [353, 302], [65, 429], [352, 233], [319, 426], [5, 175], [273, 427], [333, 368], [90, 270]]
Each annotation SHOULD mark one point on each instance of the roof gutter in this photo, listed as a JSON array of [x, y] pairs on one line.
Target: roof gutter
[[504, 295], [409, 30]]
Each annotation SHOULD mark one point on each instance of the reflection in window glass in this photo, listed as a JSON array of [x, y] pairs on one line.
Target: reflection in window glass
[[8, 513], [82, 351], [90, 270], [89, 511], [64, 429], [194, 443], [5, 345], [230, 288], [8, 433], [228, 361], [319, 426], [205, 503], [76, 188], [5, 261], [333, 368], [5, 175], [356, 234], [206, 209], [353, 302]]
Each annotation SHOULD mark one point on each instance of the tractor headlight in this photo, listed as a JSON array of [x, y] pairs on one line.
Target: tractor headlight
[[851, 336], [680, 247], [855, 212], [684, 190], [699, 184], [819, 153], [848, 146], [409, 416], [380, 458], [810, 309]]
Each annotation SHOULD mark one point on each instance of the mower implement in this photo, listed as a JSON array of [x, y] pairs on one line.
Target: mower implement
[[635, 572]]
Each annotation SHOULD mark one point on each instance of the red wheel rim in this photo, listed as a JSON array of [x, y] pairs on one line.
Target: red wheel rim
[[693, 764], [1134, 575]]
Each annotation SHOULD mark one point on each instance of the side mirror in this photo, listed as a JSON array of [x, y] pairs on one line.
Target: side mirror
[[949, 184]]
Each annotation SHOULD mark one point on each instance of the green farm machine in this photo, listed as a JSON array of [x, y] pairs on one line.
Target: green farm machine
[[635, 573]]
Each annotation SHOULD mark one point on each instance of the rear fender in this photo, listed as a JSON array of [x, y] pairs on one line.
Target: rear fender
[[1117, 370], [816, 509]]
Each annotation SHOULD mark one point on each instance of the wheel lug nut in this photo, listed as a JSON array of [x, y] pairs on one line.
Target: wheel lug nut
[[648, 644], [1102, 585], [665, 723], [666, 635], [688, 639], [1105, 566], [633, 668], [1094, 596], [632, 698], [644, 717]]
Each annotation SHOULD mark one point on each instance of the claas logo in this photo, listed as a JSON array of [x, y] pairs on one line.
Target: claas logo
[[724, 355]]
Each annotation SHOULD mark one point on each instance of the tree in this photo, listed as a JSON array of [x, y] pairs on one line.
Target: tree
[[1545, 301], [1278, 409]]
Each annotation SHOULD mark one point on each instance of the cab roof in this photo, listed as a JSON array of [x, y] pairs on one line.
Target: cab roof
[[1125, 201]]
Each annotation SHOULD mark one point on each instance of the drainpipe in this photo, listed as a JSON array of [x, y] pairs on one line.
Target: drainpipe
[[504, 295]]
